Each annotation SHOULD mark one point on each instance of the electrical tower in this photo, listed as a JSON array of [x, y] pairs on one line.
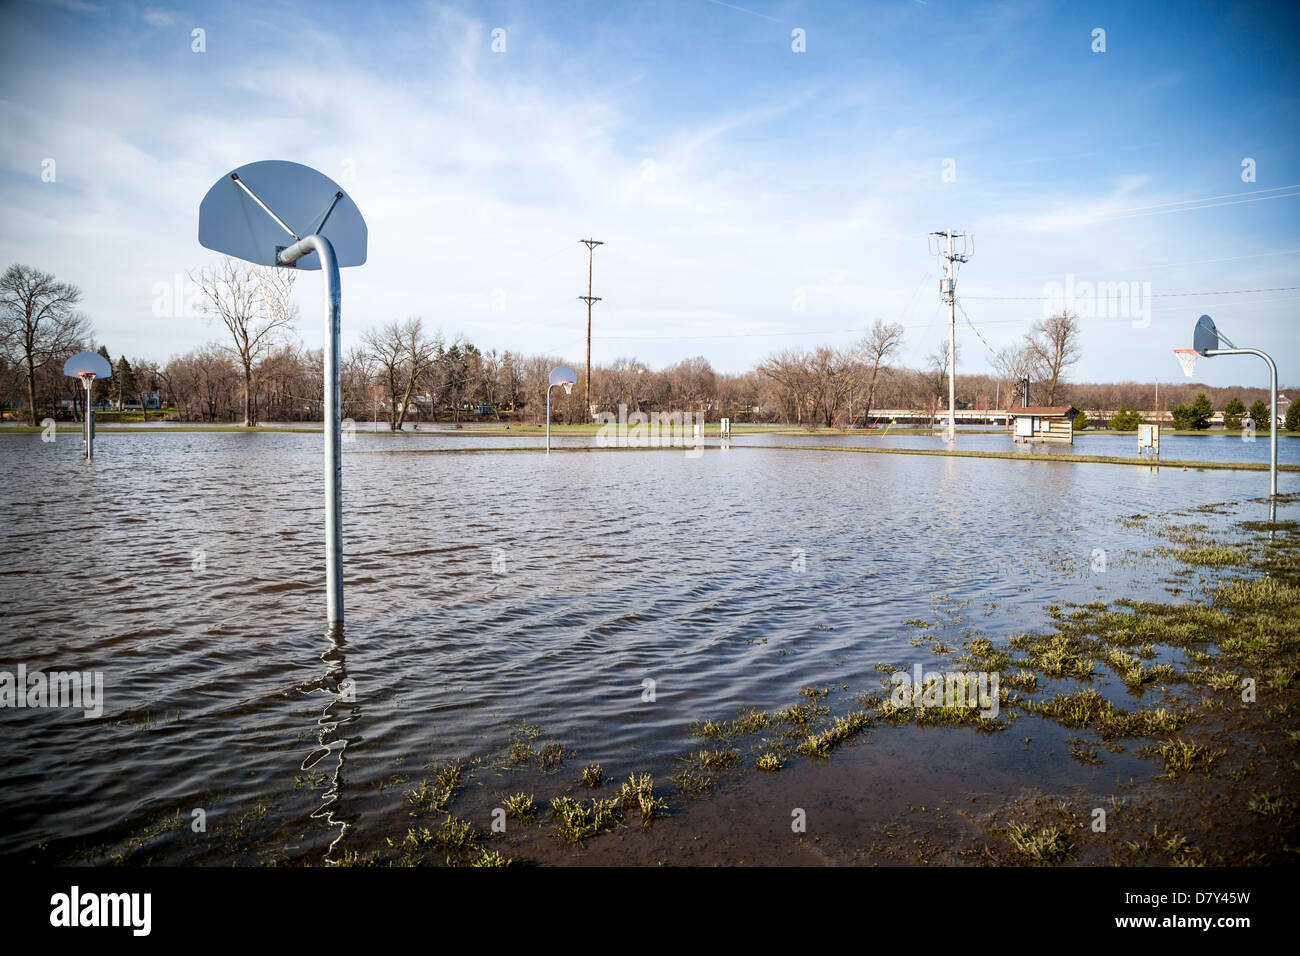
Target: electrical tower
[[591, 245], [948, 287]]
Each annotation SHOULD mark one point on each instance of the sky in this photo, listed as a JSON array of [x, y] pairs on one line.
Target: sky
[[764, 175]]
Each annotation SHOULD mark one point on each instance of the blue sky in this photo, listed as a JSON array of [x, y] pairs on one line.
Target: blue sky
[[730, 177]]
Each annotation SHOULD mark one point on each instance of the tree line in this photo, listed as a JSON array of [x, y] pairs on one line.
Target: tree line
[[403, 371]]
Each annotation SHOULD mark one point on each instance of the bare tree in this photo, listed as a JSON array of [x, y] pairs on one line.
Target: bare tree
[[147, 381], [39, 322], [403, 355], [832, 374], [357, 377], [1013, 365], [878, 346], [789, 371], [936, 371], [1054, 345], [535, 374], [254, 305]]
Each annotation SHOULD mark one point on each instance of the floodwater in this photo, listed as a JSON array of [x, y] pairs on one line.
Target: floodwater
[[485, 591], [1212, 446]]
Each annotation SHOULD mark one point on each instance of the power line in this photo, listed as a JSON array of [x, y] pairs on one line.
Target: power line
[[1206, 205], [1185, 202], [1154, 295], [1198, 262], [976, 331]]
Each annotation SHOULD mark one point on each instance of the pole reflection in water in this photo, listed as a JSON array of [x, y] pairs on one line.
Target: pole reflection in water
[[341, 709]]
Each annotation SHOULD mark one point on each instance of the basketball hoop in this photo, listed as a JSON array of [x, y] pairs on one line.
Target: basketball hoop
[[1207, 340], [281, 214], [88, 366], [560, 375]]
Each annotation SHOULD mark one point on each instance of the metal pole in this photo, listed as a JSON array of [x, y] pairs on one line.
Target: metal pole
[[591, 245], [1272, 425], [90, 423], [332, 423], [591, 251], [952, 346], [548, 418]]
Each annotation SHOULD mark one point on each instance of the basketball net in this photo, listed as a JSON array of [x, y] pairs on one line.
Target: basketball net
[[276, 308], [87, 378], [1187, 359]]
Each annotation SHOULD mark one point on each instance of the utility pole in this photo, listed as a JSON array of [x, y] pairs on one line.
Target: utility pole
[[948, 286], [591, 245]]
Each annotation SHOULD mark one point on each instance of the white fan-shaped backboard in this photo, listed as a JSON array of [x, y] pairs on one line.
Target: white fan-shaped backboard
[[88, 362], [563, 375], [231, 221]]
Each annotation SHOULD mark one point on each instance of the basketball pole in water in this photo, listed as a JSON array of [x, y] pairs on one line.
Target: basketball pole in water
[[88, 366], [560, 375], [229, 223], [1205, 342]]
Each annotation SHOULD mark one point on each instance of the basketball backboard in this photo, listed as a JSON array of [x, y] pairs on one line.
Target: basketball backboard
[[239, 214], [563, 375], [87, 363], [1205, 337]]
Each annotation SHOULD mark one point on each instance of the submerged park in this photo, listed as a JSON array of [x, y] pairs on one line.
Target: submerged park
[[662, 640], [590, 436], [687, 653], [658, 636]]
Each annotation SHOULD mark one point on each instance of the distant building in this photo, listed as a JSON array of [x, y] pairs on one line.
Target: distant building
[[1044, 423]]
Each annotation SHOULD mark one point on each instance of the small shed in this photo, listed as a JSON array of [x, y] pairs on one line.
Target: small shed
[[1045, 423]]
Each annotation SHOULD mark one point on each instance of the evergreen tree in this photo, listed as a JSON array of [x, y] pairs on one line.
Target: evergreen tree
[[1195, 416], [1233, 413], [123, 382], [1259, 411], [102, 391], [1126, 420], [1293, 417]]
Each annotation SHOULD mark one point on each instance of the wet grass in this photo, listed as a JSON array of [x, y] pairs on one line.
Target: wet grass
[[1083, 751], [1057, 655], [1134, 673], [1181, 756], [1090, 709], [750, 721], [520, 807], [1198, 658], [719, 759], [428, 798], [579, 820], [1039, 845], [1212, 556], [843, 730], [638, 793], [770, 762]]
